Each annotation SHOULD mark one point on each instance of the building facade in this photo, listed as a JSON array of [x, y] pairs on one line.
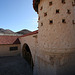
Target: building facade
[[56, 37], [52, 47], [9, 45], [29, 47]]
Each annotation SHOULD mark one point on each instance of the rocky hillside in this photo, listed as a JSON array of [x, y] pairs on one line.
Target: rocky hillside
[[24, 31], [7, 31]]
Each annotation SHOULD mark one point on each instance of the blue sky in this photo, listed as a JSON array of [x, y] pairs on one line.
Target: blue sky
[[17, 15]]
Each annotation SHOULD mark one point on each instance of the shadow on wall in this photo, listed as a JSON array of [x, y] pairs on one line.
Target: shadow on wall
[[26, 53]]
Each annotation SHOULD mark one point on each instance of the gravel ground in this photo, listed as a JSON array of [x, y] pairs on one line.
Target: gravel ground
[[15, 65]]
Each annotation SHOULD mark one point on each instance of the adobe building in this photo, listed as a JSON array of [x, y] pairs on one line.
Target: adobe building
[[52, 47], [9, 45], [56, 37], [29, 46], [50, 50]]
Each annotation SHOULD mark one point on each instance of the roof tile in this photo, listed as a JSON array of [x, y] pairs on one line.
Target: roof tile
[[34, 32], [9, 39]]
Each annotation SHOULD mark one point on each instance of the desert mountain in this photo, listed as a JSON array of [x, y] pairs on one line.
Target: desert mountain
[[24, 31], [7, 31]]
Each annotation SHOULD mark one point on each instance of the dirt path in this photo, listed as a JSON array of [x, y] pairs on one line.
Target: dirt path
[[14, 66]]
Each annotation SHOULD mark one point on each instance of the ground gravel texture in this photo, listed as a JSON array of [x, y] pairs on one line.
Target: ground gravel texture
[[15, 65]]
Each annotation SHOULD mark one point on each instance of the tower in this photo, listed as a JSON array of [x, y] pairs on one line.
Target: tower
[[56, 37]]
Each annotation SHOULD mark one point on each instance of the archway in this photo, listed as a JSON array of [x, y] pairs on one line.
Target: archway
[[27, 54]]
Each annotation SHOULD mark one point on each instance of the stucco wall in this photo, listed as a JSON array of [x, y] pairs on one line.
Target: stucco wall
[[55, 44], [56, 41], [56, 36], [31, 41], [5, 50]]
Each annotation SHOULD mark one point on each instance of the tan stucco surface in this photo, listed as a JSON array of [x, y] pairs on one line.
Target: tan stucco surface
[[53, 50], [5, 50], [56, 42], [31, 41], [56, 36]]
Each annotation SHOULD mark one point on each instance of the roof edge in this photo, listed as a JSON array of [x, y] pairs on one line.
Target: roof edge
[[35, 5], [10, 44], [34, 32]]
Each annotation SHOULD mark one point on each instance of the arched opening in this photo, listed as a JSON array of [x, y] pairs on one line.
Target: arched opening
[[27, 54]]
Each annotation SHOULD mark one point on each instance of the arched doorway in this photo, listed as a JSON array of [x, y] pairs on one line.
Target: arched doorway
[[27, 54]]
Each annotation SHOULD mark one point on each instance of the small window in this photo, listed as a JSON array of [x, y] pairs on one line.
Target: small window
[[68, 11], [37, 27], [73, 3], [57, 11], [39, 18], [13, 48], [45, 14], [63, 1], [38, 12], [50, 3], [41, 8], [51, 22], [73, 22], [41, 24], [63, 21]]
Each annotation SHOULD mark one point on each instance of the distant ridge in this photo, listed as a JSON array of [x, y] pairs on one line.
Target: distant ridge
[[6, 31], [10, 32], [24, 31]]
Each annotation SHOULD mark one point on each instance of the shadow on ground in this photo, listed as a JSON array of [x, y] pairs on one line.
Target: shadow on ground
[[15, 65]]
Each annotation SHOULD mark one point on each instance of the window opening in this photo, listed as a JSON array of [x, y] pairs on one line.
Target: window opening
[[63, 21], [45, 14], [13, 48], [73, 3], [73, 22], [57, 11], [41, 8], [39, 18], [63, 1], [50, 3], [41, 24], [68, 11], [51, 22]]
